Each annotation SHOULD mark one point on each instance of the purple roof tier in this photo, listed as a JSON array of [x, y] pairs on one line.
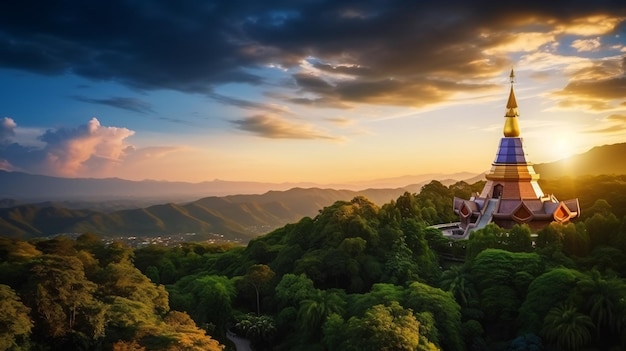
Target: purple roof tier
[[511, 151]]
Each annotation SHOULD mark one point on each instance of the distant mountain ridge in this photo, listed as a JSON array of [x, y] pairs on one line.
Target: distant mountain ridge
[[30, 188], [237, 217]]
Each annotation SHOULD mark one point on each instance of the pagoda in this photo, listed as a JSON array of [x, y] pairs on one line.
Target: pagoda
[[512, 195]]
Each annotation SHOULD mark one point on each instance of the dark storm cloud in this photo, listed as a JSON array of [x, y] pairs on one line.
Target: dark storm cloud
[[130, 104], [413, 47]]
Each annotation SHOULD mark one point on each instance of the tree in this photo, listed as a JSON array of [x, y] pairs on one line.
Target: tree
[[434, 202], [12, 250], [566, 328], [518, 239], [209, 301], [334, 332], [123, 279], [314, 311], [502, 279], [63, 298], [60, 245], [153, 274], [602, 229], [458, 281], [259, 329], [385, 328], [187, 335], [604, 301], [124, 318], [15, 323], [550, 236], [400, 266], [446, 311], [257, 276], [544, 293], [294, 288], [407, 205], [576, 240], [483, 239]]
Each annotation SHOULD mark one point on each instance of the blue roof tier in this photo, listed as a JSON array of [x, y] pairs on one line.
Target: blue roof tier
[[511, 151]]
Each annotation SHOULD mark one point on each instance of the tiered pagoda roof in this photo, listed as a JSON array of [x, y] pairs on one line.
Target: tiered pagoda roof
[[512, 194]]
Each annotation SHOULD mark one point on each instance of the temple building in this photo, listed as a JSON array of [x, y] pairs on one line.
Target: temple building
[[512, 195]]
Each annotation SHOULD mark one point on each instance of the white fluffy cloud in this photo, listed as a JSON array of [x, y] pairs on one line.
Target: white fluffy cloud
[[70, 151], [82, 151], [7, 130]]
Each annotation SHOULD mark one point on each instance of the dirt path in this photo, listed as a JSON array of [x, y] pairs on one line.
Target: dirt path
[[241, 344]]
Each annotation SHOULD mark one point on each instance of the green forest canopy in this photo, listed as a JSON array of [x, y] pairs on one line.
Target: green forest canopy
[[355, 277]]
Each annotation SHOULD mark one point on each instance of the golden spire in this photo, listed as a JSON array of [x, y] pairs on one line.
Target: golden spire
[[511, 127]]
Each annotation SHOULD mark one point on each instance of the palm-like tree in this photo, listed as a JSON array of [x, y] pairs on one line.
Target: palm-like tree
[[567, 328], [314, 311], [605, 300], [457, 281]]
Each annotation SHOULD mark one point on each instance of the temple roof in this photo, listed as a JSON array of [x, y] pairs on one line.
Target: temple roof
[[512, 194]]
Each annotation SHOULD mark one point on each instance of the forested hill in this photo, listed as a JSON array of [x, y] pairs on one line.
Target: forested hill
[[356, 276], [236, 217], [242, 217], [606, 159]]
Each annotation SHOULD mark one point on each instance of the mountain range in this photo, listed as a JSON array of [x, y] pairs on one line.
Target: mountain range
[[235, 217], [29, 188]]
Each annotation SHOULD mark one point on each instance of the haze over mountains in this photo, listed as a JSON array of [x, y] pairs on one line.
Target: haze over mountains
[[34, 188], [236, 217]]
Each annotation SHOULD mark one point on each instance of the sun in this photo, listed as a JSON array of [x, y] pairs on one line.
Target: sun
[[562, 147]]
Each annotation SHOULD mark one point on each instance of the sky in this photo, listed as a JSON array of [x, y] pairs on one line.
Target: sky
[[302, 91]]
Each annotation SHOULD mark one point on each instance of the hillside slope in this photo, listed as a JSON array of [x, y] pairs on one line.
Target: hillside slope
[[606, 159], [237, 217]]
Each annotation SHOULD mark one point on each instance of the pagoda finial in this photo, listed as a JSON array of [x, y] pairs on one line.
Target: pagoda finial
[[511, 127]]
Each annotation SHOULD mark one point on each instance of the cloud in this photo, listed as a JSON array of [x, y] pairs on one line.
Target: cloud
[[357, 48], [341, 121], [139, 156], [86, 150], [7, 130], [582, 45], [521, 42], [5, 166], [613, 124], [599, 86], [273, 127], [91, 145], [125, 103], [245, 104], [596, 95], [602, 23]]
